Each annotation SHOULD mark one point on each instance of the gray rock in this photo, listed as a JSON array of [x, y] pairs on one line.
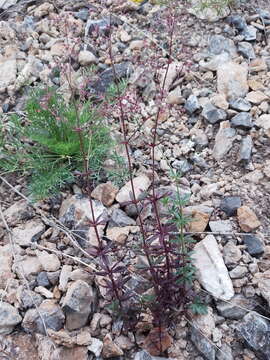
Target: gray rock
[[230, 204], [246, 49], [192, 104], [106, 78], [182, 165], [49, 312], [254, 245], [102, 25], [83, 14], [231, 253], [221, 226], [238, 272], [236, 309], [219, 44], [225, 353], [223, 142], [255, 331], [250, 33], [5, 4], [77, 304], [119, 218], [240, 104], [246, 149], [202, 344], [144, 355], [242, 120], [238, 21], [9, 318], [42, 279], [29, 299], [213, 114]]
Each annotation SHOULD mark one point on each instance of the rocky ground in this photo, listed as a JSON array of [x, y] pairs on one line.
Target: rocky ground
[[217, 131]]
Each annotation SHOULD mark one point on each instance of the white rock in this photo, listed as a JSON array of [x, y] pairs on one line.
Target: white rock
[[263, 280], [5, 4], [6, 259], [211, 270], [141, 183], [9, 318], [49, 262], [223, 140], [232, 80], [96, 346], [64, 277], [30, 265], [86, 58], [8, 72], [264, 122], [26, 233]]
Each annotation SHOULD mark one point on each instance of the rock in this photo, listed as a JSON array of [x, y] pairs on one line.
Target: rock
[[141, 184], [77, 304], [28, 298], [110, 349], [19, 211], [263, 281], [219, 101], [213, 114], [86, 58], [257, 65], [42, 279], [247, 219], [119, 218], [77, 352], [44, 292], [106, 78], [169, 75], [51, 314], [250, 33], [105, 193], [255, 331], [240, 104], [242, 120], [30, 265], [208, 13], [230, 204], [246, 149], [215, 62], [232, 80], [246, 49], [264, 122], [238, 21], [49, 262], [8, 72], [96, 346], [192, 104], [175, 97], [225, 353], [204, 346], [43, 9], [205, 323], [65, 275], [208, 190], [183, 166], [223, 140], [232, 254], [120, 234], [75, 213], [9, 318], [211, 270], [5, 4], [219, 44], [254, 245], [254, 176], [236, 309], [256, 97], [222, 226], [266, 171], [238, 272], [6, 260], [198, 222], [28, 233]]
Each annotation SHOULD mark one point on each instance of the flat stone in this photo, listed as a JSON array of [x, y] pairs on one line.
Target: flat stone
[[198, 222], [254, 245], [223, 140], [86, 58], [30, 265], [240, 104], [215, 62], [230, 204], [231, 253], [255, 331], [141, 184], [222, 226], [105, 193], [49, 262], [211, 270], [19, 211], [238, 272], [213, 114], [95, 347], [51, 314], [246, 149], [242, 120], [77, 304], [250, 33], [232, 80], [256, 97], [246, 49], [247, 219], [9, 318], [120, 234], [28, 233], [236, 309], [119, 218], [219, 101]]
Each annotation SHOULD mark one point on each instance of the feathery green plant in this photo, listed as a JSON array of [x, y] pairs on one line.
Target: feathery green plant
[[46, 143]]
